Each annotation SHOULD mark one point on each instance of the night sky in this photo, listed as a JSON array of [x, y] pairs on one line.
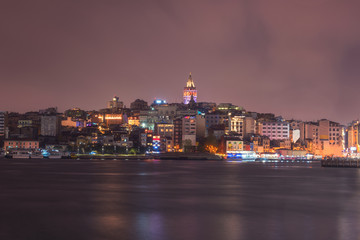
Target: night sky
[[296, 58]]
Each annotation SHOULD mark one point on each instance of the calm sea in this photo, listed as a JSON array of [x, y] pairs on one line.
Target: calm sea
[[170, 200]]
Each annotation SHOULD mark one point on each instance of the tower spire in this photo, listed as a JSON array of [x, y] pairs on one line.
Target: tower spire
[[190, 82]]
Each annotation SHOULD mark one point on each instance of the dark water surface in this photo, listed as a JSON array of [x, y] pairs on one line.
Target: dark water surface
[[116, 199]]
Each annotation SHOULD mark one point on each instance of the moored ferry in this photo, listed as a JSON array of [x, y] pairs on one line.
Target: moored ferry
[[20, 154], [269, 156], [36, 154], [53, 154], [242, 155]]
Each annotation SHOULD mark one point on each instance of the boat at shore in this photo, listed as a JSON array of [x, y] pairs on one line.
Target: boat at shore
[[20, 154], [242, 155], [186, 156], [36, 155], [269, 156], [53, 154]]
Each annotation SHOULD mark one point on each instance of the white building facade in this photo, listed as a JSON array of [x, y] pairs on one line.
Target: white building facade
[[237, 125], [277, 130]]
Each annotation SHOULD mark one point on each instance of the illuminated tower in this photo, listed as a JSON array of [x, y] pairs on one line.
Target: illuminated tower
[[190, 91]]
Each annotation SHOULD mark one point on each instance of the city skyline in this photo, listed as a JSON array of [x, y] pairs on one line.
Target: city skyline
[[150, 101], [188, 81], [179, 119], [299, 59]]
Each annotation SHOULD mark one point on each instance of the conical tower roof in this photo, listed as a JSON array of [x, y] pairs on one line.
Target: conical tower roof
[[190, 82]]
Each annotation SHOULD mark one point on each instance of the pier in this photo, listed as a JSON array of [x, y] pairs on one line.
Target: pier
[[341, 162]]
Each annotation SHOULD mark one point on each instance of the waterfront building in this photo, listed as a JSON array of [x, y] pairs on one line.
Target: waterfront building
[[285, 144], [156, 144], [352, 137], [149, 139], [288, 153], [323, 137], [233, 146], [20, 144], [163, 144], [310, 131], [190, 91], [334, 133], [260, 143], [167, 144]]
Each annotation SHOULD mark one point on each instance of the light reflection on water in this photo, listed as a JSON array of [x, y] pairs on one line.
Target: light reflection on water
[[177, 200], [149, 224]]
